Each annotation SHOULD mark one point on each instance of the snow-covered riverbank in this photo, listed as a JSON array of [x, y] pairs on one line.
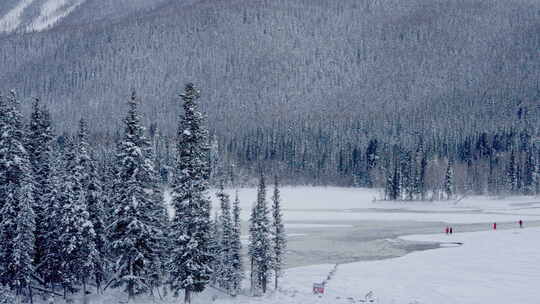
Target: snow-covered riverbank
[[389, 248], [495, 267], [500, 266]]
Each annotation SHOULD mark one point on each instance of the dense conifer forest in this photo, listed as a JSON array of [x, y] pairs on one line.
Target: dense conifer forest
[[423, 100], [318, 92]]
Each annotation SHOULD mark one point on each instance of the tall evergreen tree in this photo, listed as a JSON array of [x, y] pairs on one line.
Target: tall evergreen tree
[[190, 269], [260, 246], [215, 249], [421, 167], [91, 190], [512, 173], [225, 268], [236, 248], [529, 174], [135, 233], [77, 235], [39, 147], [536, 171], [396, 183], [449, 188], [279, 238], [17, 224], [51, 266]]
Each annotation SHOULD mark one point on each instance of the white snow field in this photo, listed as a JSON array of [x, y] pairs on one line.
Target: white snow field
[[490, 267], [356, 204], [51, 12], [394, 250], [10, 21]]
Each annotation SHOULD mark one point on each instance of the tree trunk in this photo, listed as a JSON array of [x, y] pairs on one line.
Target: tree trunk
[[276, 280], [30, 294], [98, 284], [264, 282], [251, 281], [187, 296], [131, 293]]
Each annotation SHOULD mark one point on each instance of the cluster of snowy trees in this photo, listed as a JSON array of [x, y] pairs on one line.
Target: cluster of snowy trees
[[267, 241], [503, 163], [70, 219]]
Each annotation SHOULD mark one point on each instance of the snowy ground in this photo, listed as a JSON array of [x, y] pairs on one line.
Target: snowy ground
[[493, 267], [340, 225], [334, 203], [397, 250], [50, 12], [490, 267]]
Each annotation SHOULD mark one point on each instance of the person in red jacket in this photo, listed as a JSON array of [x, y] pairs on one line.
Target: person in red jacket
[[446, 230], [494, 226]]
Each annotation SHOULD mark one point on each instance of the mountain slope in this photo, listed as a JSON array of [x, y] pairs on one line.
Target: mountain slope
[[462, 63], [35, 15], [39, 15]]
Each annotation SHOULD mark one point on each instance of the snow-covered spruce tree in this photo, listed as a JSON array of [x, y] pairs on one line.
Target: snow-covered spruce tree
[[191, 258], [136, 233], [51, 266], [260, 246], [397, 188], [536, 172], [39, 147], [253, 278], [226, 271], [17, 224], [512, 172], [215, 249], [108, 169], [420, 174], [389, 182], [236, 249], [159, 218], [77, 236], [279, 238], [408, 178], [371, 161], [91, 190], [449, 187], [529, 174]]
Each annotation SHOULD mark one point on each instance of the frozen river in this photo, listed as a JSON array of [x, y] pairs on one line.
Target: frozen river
[[339, 225], [332, 242]]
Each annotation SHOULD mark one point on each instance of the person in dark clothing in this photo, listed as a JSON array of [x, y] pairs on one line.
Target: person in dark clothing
[[520, 224]]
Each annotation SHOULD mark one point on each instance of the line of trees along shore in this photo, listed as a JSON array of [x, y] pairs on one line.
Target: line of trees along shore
[[73, 220]]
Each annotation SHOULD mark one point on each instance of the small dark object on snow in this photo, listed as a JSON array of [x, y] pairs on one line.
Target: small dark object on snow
[[318, 288]]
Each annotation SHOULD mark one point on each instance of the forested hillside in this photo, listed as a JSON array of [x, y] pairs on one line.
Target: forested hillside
[[301, 87]]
